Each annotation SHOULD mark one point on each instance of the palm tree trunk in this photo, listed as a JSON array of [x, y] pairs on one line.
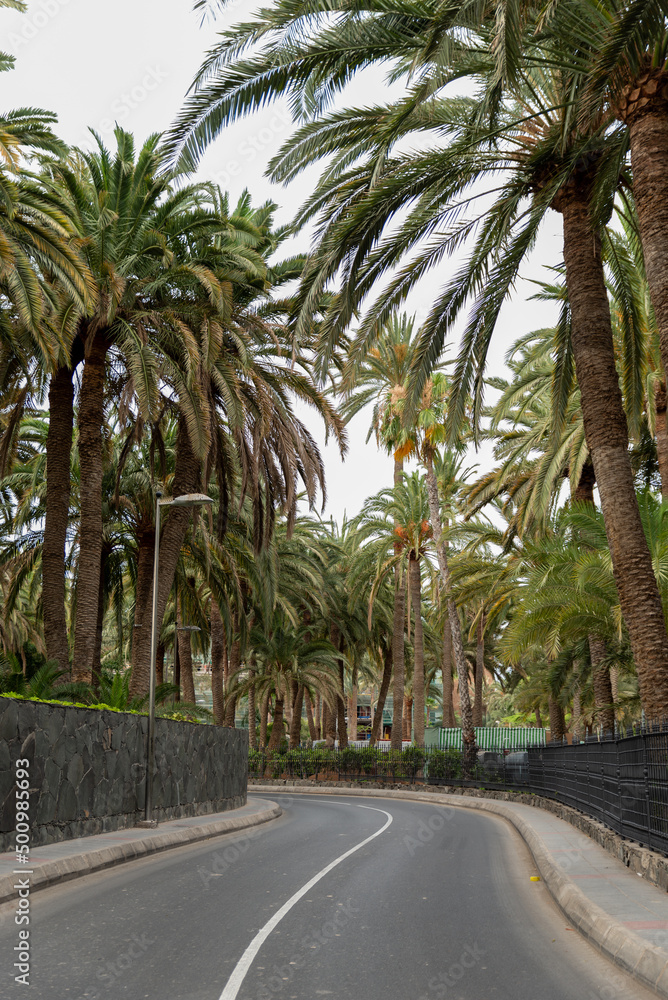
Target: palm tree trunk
[[337, 640], [408, 717], [418, 645], [313, 734], [277, 728], [607, 440], [603, 700], [234, 668], [91, 419], [177, 668], [352, 708], [398, 627], [446, 677], [557, 720], [217, 664], [479, 671], [329, 723], [187, 477], [97, 655], [264, 712], [318, 716], [377, 724], [576, 721], [58, 479], [160, 664], [296, 722], [398, 661], [468, 730], [661, 427], [648, 138], [252, 732], [184, 640]]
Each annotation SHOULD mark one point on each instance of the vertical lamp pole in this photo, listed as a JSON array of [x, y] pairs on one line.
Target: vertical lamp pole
[[187, 500]]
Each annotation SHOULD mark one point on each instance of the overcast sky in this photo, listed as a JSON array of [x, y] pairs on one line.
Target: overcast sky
[[132, 61]]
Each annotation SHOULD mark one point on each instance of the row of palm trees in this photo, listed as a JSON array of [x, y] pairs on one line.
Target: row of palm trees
[[170, 346], [569, 111]]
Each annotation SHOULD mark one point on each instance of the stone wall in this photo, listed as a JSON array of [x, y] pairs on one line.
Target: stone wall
[[88, 769]]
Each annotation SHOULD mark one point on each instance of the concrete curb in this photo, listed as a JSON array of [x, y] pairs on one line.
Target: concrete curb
[[62, 869], [643, 960]]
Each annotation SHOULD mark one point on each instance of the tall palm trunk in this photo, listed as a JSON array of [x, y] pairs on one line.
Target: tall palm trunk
[[296, 721], [97, 655], [418, 645], [184, 640], [187, 476], [661, 426], [318, 716], [252, 732], [407, 717], [352, 708], [557, 720], [377, 724], [479, 671], [607, 440], [264, 712], [446, 677], [91, 419], [337, 640], [603, 698], [398, 659], [58, 478], [160, 664], [398, 654], [329, 722], [217, 664], [644, 110], [312, 731], [277, 728], [468, 731], [576, 720], [235, 667]]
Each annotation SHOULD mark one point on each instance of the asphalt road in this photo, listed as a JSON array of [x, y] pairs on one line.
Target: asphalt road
[[436, 902]]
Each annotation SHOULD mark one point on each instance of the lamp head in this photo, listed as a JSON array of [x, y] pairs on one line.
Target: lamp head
[[190, 500]]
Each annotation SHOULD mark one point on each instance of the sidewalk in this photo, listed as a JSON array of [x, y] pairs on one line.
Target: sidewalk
[[619, 911], [73, 858]]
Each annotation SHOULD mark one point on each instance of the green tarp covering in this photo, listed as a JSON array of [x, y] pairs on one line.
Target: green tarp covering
[[493, 738]]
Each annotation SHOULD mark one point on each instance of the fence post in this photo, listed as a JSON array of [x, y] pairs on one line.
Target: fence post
[[645, 772]]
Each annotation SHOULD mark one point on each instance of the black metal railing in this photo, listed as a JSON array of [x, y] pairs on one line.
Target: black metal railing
[[621, 781]]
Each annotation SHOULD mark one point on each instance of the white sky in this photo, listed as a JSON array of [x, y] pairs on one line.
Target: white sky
[[132, 61]]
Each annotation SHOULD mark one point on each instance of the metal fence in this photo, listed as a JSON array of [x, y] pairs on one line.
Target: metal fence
[[622, 782]]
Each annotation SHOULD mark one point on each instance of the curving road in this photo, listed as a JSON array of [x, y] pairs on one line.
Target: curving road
[[340, 899]]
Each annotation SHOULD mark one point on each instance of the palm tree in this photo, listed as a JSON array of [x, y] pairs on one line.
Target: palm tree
[[139, 237], [399, 518], [380, 378]]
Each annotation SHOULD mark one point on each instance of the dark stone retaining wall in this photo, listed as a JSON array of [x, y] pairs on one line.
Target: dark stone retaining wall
[[88, 769]]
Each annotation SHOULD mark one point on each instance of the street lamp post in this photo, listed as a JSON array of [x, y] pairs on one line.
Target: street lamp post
[[187, 500]]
